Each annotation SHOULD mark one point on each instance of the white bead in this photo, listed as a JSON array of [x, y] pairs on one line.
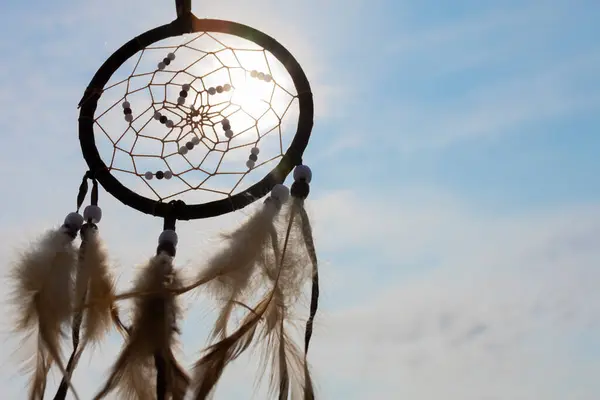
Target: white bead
[[261, 76], [128, 117], [195, 140], [302, 172], [228, 133], [227, 87], [255, 151], [171, 56], [186, 87], [74, 220], [92, 212], [149, 175], [157, 115], [168, 236], [126, 104], [168, 175], [161, 65], [169, 123], [268, 78], [254, 73], [212, 90], [183, 150], [281, 193], [250, 164], [181, 100]]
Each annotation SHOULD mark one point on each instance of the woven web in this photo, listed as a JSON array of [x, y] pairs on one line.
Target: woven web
[[199, 117]]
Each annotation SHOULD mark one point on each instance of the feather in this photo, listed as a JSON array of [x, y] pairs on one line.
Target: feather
[[101, 288], [93, 280], [43, 295], [151, 337], [210, 367]]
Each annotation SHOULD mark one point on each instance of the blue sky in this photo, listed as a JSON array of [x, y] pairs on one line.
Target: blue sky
[[455, 198]]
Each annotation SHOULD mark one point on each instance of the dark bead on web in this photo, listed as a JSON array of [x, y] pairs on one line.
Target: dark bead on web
[[253, 157], [163, 119], [127, 111], [183, 94], [300, 189], [226, 127], [189, 145], [160, 174], [166, 61]]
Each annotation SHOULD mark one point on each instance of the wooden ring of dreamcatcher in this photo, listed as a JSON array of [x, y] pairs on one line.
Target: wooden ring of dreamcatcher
[[188, 23]]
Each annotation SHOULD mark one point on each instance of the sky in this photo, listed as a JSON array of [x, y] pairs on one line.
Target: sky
[[455, 194]]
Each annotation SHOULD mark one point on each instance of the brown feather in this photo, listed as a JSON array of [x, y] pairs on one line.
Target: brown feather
[[43, 294], [101, 288], [152, 332]]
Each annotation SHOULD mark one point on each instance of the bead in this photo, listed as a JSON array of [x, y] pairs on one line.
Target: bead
[[227, 87], [157, 115], [226, 127], [189, 145], [225, 121], [161, 65], [168, 175], [183, 93], [302, 172], [129, 118], [229, 133], [168, 236], [148, 175], [183, 150], [74, 220], [93, 213], [212, 90], [268, 78], [163, 119], [254, 73], [195, 140], [166, 61], [250, 164], [169, 124], [300, 189], [127, 111], [171, 56], [280, 192], [185, 87], [261, 76], [126, 104], [160, 175], [253, 157], [219, 89], [180, 100], [255, 151]]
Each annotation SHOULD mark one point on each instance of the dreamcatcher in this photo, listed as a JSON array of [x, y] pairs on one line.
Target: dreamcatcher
[[186, 121]]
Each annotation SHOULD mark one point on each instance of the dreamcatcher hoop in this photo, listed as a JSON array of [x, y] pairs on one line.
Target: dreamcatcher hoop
[[187, 22]]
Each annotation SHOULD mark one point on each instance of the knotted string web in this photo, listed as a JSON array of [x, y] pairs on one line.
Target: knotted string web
[[197, 117]]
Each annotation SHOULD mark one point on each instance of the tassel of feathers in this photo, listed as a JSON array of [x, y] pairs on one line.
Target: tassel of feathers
[[43, 295], [282, 266], [289, 369], [93, 281], [147, 354]]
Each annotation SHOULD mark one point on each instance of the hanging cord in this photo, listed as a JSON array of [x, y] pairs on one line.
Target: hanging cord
[[184, 13], [300, 190], [166, 244], [91, 214]]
